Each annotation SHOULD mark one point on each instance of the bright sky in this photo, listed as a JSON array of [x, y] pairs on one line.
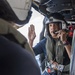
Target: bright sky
[[36, 20]]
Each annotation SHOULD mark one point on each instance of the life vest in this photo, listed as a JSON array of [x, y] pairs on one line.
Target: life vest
[[58, 55]]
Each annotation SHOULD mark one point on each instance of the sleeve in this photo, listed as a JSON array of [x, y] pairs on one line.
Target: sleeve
[[40, 47]]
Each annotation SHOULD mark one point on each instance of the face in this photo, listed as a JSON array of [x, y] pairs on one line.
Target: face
[[53, 27]]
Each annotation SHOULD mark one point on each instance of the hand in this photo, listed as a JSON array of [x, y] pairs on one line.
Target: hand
[[54, 65], [62, 35], [31, 33]]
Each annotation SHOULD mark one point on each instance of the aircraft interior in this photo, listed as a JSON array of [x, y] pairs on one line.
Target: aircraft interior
[[19, 11]]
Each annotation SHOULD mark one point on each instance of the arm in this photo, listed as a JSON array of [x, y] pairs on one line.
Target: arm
[[68, 49], [63, 38], [39, 47]]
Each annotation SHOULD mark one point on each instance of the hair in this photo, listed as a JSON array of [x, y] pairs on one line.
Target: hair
[[47, 28]]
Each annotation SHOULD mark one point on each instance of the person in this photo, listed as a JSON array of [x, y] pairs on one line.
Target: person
[[58, 45], [52, 39], [14, 54]]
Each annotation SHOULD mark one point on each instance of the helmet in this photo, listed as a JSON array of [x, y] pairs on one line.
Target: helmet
[[17, 11], [56, 18]]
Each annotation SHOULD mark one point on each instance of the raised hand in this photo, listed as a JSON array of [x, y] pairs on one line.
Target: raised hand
[[31, 34]]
